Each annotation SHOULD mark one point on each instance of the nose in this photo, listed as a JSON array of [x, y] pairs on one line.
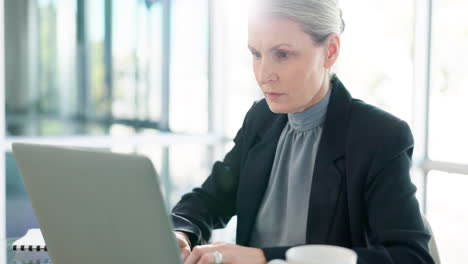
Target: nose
[[266, 73]]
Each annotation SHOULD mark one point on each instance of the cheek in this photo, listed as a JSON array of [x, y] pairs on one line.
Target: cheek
[[299, 75], [255, 67], [302, 80], [311, 68]]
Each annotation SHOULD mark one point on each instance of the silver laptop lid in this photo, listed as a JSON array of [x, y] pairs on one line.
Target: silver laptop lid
[[96, 206]]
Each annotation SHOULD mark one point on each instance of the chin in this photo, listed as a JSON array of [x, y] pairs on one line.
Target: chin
[[278, 108]]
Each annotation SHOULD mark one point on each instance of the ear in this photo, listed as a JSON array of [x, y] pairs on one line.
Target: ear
[[332, 49]]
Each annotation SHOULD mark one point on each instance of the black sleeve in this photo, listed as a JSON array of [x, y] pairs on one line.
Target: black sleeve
[[275, 253], [396, 230], [213, 204]]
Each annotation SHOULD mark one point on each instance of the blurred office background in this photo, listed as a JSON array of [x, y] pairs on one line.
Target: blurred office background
[[172, 79]]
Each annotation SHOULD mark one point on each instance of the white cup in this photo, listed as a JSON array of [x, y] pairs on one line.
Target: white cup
[[318, 254]]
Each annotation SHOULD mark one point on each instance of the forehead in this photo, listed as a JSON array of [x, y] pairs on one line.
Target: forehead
[[267, 31]]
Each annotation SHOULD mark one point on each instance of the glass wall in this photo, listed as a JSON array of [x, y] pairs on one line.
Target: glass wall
[[448, 214], [95, 64], [448, 94], [377, 46], [449, 80], [99, 73], [189, 81], [241, 88]]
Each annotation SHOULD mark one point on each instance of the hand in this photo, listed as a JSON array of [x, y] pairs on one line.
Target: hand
[[184, 244], [232, 254]]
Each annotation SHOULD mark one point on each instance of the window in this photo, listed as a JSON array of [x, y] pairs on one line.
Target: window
[[448, 94], [448, 214], [130, 76], [189, 66], [378, 49], [97, 64]]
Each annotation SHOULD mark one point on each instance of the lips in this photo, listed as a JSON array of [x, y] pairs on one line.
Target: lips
[[273, 96]]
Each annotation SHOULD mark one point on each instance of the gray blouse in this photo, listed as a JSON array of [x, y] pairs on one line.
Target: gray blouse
[[282, 218]]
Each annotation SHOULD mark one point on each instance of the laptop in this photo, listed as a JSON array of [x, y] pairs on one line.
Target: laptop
[[95, 206]]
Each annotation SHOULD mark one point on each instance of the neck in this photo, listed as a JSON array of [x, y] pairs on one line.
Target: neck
[[312, 116], [320, 94]]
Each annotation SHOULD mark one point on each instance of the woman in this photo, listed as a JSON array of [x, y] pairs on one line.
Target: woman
[[310, 165]]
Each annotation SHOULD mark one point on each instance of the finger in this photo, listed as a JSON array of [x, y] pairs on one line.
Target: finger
[[197, 253], [181, 236], [218, 243], [207, 258], [181, 240], [181, 243], [184, 253]]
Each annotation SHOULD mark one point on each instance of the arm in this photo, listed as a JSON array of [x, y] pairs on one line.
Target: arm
[[213, 204], [395, 227]]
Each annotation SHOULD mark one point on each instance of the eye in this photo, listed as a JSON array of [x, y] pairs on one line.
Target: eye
[[282, 54], [256, 54]]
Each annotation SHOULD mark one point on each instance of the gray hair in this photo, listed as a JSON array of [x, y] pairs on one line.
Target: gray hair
[[319, 18]]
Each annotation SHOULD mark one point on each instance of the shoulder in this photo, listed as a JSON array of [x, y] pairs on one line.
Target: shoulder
[[365, 114], [360, 121], [375, 123], [377, 134]]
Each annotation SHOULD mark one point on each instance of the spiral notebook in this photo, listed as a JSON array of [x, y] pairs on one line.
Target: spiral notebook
[[31, 241]]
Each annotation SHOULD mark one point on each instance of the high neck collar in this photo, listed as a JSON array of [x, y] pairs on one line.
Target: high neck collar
[[312, 116]]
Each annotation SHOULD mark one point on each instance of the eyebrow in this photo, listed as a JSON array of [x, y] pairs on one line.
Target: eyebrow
[[272, 48]]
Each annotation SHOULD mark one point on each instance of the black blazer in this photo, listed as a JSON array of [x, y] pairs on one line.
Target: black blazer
[[361, 197]]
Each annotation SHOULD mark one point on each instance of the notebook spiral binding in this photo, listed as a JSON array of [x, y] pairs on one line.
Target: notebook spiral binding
[[29, 248]]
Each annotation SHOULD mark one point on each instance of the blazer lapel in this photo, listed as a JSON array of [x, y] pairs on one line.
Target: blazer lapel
[[256, 174], [327, 179]]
